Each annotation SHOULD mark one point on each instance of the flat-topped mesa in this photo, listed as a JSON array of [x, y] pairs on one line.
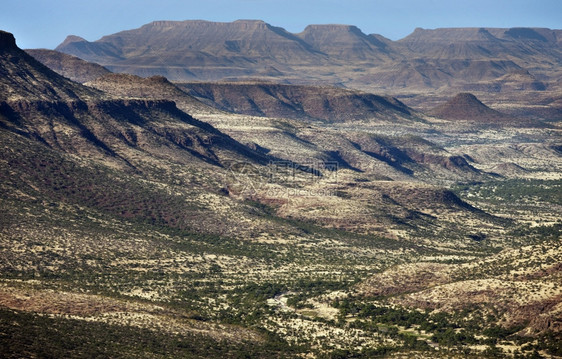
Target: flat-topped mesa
[[7, 41], [198, 50], [480, 34], [345, 42], [322, 35], [332, 28], [449, 34], [251, 24]]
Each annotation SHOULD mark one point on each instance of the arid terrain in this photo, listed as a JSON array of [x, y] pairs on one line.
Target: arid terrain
[[202, 190]]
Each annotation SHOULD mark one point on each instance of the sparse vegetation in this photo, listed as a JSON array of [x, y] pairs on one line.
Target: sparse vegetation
[[129, 228]]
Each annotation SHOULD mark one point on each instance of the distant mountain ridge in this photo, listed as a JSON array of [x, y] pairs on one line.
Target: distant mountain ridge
[[196, 50]]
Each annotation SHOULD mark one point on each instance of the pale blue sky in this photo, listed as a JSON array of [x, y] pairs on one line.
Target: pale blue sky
[[46, 23]]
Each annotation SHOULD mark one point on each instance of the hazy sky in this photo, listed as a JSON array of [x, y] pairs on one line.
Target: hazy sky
[[46, 23]]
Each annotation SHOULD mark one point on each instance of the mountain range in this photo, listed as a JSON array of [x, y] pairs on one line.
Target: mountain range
[[335, 54]]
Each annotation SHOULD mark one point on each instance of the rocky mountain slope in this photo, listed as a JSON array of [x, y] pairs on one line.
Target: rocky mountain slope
[[26, 79]]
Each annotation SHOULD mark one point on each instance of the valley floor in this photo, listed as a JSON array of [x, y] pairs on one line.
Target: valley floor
[[329, 275]]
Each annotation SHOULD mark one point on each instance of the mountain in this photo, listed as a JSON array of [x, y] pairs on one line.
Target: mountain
[[466, 107], [523, 44], [347, 43], [486, 53], [450, 43], [471, 58], [68, 66]]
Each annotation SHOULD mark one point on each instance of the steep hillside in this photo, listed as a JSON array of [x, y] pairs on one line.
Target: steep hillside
[[24, 78], [41, 104]]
